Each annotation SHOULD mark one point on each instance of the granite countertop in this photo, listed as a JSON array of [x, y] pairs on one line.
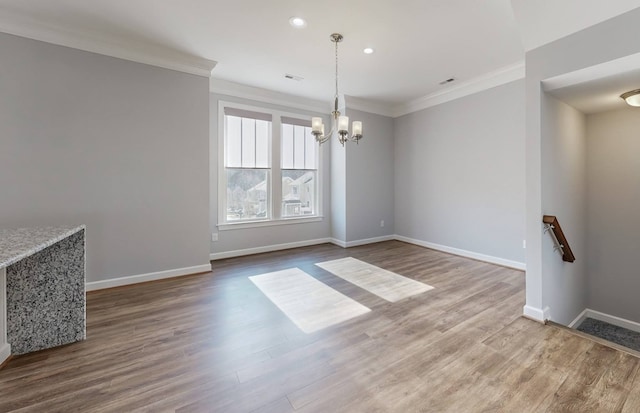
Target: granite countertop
[[16, 244]]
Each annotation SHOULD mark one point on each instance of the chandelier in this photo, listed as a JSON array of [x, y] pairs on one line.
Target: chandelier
[[338, 122]]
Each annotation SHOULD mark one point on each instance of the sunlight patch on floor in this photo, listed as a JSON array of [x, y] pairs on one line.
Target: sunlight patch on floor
[[385, 284], [309, 304]]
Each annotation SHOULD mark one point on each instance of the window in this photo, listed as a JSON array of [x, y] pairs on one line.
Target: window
[[268, 167], [299, 168], [246, 161]]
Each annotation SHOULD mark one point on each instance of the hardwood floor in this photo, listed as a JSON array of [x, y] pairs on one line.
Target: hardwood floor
[[215, 343]]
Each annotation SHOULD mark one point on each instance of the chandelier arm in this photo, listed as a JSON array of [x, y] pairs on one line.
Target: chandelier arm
[[323, 138]]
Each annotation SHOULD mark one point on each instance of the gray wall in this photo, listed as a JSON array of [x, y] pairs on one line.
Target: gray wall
[[604, 42], [119, 146], [239, 239], [369, 178], [564, 195], [613, 203], [459, 173]]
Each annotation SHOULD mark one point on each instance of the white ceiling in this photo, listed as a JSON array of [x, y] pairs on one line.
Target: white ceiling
[[543, 21], [417, 43], [599, 95], [597, 88]]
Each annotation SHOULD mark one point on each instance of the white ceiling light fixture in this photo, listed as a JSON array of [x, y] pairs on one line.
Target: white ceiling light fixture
[[298, 22], [368, 50], [341, 123], [632, 97]]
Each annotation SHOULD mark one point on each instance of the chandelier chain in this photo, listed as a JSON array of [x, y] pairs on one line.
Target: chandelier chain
[[336, 69]]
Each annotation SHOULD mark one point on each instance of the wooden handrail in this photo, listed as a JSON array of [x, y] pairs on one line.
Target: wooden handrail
[[563, 244]]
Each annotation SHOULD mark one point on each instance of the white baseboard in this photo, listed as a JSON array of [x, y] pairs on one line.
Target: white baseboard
[[579, 319], [268, 248], [365, 241], [464, 253], [5, 352], [153, 276], [369, 240], [346, 244], [535, 313], [607, 318], [338, 242], [278, 247]]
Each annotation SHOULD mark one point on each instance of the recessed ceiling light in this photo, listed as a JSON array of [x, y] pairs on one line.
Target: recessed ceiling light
[[368, 50], [298, 22]]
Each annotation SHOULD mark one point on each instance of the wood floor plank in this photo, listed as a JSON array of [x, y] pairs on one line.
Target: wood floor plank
[[214, 343], [599, 384], [279, 406], [633, 398], [520, 384]]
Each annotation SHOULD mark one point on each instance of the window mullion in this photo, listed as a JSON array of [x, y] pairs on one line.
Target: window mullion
[[276, 168], [241, 143]]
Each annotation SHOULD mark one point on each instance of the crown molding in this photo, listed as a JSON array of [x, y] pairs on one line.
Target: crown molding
[[155, 55], [369, 106], [495, 78], [492, 79], [591, 73], [225, 87]]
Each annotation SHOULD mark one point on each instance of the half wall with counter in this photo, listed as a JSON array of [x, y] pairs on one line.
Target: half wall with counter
[[42, 288]]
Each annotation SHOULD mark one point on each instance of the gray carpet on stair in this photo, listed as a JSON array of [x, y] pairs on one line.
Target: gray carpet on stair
[[618, 335]]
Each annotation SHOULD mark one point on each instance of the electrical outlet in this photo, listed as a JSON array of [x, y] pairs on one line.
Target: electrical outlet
[[524, 243], [214, 236], [381, 223]]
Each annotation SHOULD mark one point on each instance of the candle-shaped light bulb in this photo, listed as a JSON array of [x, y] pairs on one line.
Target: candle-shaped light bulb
[[343, 123], [316, 124], [356, 127]]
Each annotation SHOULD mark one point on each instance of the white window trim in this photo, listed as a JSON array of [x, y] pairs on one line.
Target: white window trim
[[275, 170], [269, 223]]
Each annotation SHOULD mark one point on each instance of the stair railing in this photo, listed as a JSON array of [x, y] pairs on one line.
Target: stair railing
[[552, 226]]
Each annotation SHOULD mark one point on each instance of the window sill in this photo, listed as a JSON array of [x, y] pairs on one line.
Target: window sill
[[257, 224]]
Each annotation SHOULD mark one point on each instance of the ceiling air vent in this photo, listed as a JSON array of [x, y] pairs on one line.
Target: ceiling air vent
[[293, 77], [451, 79]]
